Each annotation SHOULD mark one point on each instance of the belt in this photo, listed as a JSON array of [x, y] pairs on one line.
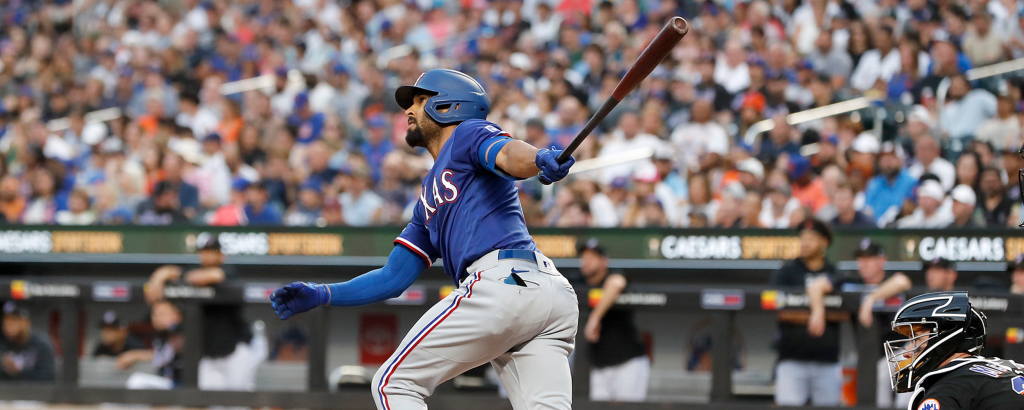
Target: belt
[[517, 254]]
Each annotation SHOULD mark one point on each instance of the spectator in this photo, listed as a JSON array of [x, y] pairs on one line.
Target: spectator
[[701, 199], [163, 208], [79, 210], [377, 145], [621, 366], [879, 64], [361, 206], [308, 210], [626, 137], [968, 169], [1016, 270], [730, 213], [846, 214], [832, 61], [994, 204], [807, 189], [751, 210], [965, 110], [42, 207], [115, 339], [11, 204], [258, 211], [1003, 130], [983, 45], [188, 195], [26, 356], [702, 142], [808, 365], [886, 192], [964, 202], [305, 124], [778, 207], [731, 70], [929, 212], [751, 173], [928, 161], [231, 352]]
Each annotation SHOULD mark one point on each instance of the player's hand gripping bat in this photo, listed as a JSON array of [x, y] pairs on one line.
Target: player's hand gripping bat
[[659, 48]]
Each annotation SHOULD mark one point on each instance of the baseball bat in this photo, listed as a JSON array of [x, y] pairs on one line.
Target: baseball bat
[[659, 48]]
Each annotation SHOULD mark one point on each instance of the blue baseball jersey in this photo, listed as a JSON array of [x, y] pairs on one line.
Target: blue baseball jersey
[[467, 207]]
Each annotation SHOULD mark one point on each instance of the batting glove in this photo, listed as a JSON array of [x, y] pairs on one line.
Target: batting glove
[[550, 169], [299, 297]]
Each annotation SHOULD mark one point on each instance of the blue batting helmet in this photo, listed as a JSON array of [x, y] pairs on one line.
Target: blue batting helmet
[[461, 94]]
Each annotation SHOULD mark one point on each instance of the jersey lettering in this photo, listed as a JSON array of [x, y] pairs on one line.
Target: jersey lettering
[[438, 200], [426, 207], [451, 192], [1018, 384], [988, 371], [930, 404]]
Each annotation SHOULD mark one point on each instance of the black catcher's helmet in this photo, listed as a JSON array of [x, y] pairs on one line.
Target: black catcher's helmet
[[936, 325]]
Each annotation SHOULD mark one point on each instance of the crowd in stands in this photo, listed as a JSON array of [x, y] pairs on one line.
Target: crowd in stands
[[182, 141]]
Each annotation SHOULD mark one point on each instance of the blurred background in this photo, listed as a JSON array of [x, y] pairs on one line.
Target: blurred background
[[165, 164]]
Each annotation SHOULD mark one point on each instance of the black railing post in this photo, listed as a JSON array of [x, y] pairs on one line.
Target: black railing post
[[868, 352], [316, 377], [722, 356], [69, 342], [193, 327], [581, 353]]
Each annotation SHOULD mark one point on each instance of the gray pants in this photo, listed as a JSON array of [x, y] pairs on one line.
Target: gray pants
[[796, 381], [526, 333]]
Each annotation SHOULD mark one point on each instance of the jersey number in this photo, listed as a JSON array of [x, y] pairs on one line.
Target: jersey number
[[1018, 384]]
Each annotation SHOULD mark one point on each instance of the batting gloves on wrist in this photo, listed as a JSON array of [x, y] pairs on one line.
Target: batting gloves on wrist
[[550, 169]]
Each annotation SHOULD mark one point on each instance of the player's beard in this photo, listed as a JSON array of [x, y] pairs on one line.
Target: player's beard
[[426, 131]]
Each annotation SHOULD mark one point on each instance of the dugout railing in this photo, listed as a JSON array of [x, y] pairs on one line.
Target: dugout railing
[[71, 296]]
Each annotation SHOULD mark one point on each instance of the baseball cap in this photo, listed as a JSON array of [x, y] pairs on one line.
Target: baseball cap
[[931, 189], [620, 182], [920, 114], [240, 184], [752, 166], [207, 242], [889, 147], [312, 183], [591, 245], [111, 319], [11, 308], [376, 122], [964, 195], [866, 143], [301, 100], [818, 227], [798, 166], [941, 263], [869, 248], [213, 136]]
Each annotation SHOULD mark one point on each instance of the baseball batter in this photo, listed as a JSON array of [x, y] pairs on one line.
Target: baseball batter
[[512, 307]]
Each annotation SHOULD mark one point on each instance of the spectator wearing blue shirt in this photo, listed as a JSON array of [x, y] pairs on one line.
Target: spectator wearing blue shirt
[[377, 144], [886, 192], [306, 125], [257, 210]]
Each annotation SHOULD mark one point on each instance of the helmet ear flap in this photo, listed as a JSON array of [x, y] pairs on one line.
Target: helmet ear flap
[[974, 332]]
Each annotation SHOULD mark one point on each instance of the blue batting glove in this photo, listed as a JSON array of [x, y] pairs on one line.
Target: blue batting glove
[[299, 297], [550, 169]]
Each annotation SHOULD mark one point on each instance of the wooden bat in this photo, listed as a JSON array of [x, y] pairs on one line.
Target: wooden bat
[[659, 48]]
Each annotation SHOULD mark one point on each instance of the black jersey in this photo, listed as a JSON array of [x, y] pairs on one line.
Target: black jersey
[[974, 383]]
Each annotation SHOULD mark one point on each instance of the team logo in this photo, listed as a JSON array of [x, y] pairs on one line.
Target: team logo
[[1018, 384], [111, 291], [18, 290], [930, 404], [1014, 335], [772, 300], [721, 299]]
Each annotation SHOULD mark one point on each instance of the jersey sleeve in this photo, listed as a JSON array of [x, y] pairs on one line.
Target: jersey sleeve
[[477, 145], [416, 237]]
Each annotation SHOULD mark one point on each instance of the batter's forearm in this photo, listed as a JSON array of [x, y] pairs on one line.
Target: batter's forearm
[[401, 270], [518, 159]]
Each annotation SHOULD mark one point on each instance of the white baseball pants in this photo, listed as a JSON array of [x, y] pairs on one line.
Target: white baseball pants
[[525, 332], [626, 382]]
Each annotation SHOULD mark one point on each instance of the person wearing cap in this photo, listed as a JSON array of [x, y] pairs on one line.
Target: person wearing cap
[[258, 209], [964, 202], [751, 173], [24, 355], [886, 192], [872, 280], [808, 364], [929, 213], [377, 144], [928, 161], [621, 367], [163, 208], [940, 274], [308, 210], [232, 213], [115, 338], [215, 170], [305, 124], [231, 350], [807, 188]]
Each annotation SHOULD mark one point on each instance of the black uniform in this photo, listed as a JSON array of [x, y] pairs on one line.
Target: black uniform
[[223, 323], [620, 340], [794, 343], [974, 383]]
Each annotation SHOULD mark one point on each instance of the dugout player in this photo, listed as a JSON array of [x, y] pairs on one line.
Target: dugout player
[[808, 366], [231, 353], [513, 308], [937, 358], [872, 280], [621, 366]]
